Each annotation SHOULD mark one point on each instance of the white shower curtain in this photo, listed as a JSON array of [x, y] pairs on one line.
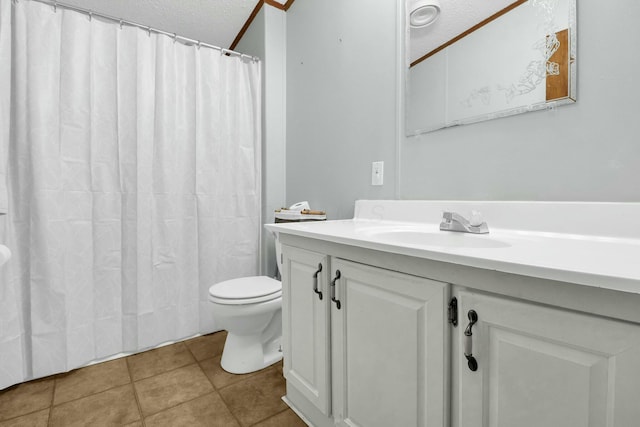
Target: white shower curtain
[[133, 179]]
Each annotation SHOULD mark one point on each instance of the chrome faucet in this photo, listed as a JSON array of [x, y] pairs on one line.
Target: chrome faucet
[[452, 221]]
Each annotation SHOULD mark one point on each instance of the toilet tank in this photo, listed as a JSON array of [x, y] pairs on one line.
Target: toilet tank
[[298, 212]]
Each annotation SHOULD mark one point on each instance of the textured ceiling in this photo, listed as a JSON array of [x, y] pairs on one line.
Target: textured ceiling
[[456, 17], [216, 22]]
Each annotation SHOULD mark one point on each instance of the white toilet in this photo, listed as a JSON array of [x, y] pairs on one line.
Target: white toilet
[[250, 310]]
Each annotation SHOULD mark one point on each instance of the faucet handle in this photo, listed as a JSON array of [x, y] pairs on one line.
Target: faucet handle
[[475, 219]]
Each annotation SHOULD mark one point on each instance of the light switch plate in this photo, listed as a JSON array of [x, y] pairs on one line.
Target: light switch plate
[[377, 173]]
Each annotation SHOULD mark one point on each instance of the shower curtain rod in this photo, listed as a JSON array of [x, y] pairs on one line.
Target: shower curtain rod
[[184, 40]]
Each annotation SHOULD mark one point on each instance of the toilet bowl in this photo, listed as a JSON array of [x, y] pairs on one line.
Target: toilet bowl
[[250, 310]]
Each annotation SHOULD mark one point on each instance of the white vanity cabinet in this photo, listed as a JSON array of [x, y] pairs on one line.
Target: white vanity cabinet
[[389, 348], [386, 336], [539, 366], [556, 336], [387, 356], [305, 327]]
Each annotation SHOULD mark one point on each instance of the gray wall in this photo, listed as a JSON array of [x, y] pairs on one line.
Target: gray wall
[[341, 102], [588, 151], [341, 97], [265, 38]]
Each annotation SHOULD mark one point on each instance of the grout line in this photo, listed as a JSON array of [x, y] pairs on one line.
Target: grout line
[[270, 416], [164, 372], [89, 395], [135, 392], [178, 404], [25, 414], [262, 371], [193, 354], [50, 407], [189, 349], [131, 382], [205, 374], [247, 376], [226, 405], [53, 396], [253, 374], [182, 403]]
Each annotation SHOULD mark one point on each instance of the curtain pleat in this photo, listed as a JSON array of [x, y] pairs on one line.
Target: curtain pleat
[[133, 182], [5, 99]]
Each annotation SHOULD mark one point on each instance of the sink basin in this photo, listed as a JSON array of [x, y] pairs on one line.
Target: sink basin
[[445, 239]]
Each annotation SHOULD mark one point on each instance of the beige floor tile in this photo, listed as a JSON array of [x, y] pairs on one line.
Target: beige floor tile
[[171, 388], [159, 360], [208, 410], [287, 418], [256, 398], [218, 376], [116, 406], [134, 424], [36, 419], [90, 380], [25, 398], [279, 367], [207, 346]]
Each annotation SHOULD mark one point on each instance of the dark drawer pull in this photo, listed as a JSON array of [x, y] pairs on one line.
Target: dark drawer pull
[[333, 290], [315, 281], [468, 343]]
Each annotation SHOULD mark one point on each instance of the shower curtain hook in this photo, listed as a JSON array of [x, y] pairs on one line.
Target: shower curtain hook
[[223, 51], [149, 31], [121, 23], [175, 37], [55, 7], [90, 16], [199, 44]]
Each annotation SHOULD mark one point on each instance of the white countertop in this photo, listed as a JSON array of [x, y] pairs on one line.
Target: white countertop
[[610, 262]]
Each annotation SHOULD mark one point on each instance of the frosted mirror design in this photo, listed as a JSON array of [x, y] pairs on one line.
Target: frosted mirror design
[[487, 59]]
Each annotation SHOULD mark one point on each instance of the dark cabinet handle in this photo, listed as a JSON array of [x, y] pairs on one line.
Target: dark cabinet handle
[[333, 290], [315, 281], [468, 344]]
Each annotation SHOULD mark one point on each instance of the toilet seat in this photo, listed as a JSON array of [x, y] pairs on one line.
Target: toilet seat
[[245, 290]]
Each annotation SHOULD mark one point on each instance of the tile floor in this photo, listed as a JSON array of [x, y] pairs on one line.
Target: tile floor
[[177, 385]]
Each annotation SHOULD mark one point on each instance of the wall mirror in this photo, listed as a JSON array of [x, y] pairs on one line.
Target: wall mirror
[[478, 60]]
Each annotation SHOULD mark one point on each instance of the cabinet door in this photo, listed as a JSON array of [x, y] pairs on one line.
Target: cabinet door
[[542, 367], [305, 325], [388, 348]]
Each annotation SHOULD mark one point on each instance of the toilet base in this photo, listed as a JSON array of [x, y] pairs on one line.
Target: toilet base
[[243, 354]]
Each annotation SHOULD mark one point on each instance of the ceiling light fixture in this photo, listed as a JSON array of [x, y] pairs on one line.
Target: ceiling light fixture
[[424, 12]]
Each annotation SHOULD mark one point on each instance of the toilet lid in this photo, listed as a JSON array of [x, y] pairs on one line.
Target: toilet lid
[[245, 290]]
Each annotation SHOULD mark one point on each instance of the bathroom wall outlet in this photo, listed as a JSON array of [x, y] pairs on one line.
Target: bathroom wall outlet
[[377, 173]]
